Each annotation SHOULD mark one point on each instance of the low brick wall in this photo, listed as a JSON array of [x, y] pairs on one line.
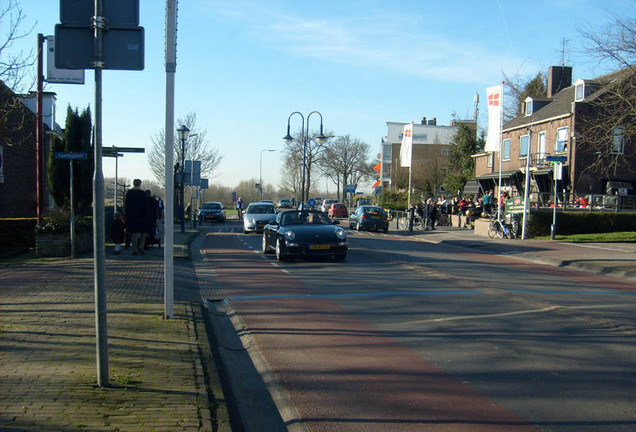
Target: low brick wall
[[59, 245]]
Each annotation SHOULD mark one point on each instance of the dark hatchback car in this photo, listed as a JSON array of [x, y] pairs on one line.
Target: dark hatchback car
[[369, 218], [212, 211], [304, 233]]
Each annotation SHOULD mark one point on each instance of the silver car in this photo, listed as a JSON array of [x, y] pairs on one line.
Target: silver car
[[326, 204], [258, 215]]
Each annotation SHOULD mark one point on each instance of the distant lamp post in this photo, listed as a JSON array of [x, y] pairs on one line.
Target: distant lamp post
[[260, 177], [183, 134], [304, 132]]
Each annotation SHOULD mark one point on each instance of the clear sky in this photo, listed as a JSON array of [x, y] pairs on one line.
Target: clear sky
[[243, 66]]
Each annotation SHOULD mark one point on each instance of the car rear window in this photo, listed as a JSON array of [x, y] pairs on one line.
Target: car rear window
[[261, 209]]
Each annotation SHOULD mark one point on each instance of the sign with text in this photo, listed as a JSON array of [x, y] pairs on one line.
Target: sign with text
[[71, 155], [60, 76]]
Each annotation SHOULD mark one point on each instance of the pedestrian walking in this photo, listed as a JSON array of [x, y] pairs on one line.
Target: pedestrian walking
[[136, 207]]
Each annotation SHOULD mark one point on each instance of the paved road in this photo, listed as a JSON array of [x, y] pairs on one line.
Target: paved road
[[409, 335]]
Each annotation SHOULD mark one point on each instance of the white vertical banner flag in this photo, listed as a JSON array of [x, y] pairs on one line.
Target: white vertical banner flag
[[495, 106], [406, 150]]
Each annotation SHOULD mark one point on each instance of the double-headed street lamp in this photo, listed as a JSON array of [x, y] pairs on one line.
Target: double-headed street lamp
[[304, 132], [260, 177], [183, 133]]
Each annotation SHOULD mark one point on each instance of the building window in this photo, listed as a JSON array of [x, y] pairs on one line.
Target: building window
[[523, 146], [506, 149], [528, 107], [561, 140], [579, 90], [491, 160], [618, 140]]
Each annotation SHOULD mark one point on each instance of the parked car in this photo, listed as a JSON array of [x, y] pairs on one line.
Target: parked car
[[258, 215], [369, 218], [338, 210], [304, 233], [326, 204], [285, 203], [212, 211]]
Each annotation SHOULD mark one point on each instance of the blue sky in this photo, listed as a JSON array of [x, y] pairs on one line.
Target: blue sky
[[244, 66]]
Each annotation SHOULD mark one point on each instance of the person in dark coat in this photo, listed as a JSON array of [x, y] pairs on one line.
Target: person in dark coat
[[136, 208], [151, 224]]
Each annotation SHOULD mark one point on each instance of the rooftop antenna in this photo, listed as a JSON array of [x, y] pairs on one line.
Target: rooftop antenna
[[565, 42]]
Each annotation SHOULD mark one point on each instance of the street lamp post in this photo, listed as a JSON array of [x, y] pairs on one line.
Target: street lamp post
[[304, 132], [260, 177], [183, 133]]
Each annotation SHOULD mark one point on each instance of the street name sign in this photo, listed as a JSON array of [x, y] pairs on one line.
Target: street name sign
[[71, 155]]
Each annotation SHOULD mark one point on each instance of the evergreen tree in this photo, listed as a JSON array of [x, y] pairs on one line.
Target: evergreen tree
[[461, 166], [77, 138]]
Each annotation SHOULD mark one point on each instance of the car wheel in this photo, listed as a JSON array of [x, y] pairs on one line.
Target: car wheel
[[386, 230], [245, 231], [264, 246], [280, 254], [358, 227]]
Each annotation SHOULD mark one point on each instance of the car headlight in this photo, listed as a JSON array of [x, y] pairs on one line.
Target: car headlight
[[289, 235], [341, 234], [249, 221]]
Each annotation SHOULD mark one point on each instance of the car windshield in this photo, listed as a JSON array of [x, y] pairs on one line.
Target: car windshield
[[261, 209], [304, 217], [212, 206]]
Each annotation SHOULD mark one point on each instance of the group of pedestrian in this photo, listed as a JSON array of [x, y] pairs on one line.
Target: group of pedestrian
[[137, 227]]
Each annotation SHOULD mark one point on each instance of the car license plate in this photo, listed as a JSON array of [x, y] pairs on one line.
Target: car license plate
[[319, 246], [375, 217]]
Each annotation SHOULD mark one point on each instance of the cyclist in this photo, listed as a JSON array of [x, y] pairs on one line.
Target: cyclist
[[239, 208]]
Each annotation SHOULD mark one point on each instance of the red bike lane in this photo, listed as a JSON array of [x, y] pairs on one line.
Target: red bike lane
[[340, 372]]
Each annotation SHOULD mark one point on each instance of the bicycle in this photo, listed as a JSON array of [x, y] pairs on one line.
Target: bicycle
[[500, 229]]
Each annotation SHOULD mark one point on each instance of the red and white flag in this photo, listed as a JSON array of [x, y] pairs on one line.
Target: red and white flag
[[406, 150], [495, 111]]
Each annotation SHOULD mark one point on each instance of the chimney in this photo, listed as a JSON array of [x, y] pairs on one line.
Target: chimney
[[433, 122], [423, 120], [559, 77]]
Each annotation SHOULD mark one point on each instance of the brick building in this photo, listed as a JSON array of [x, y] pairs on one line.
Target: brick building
[[18, 156], [567, 123]]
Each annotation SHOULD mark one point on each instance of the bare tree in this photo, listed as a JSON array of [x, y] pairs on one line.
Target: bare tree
[[294, 158], [13, 64], [609, 117], [291, 179], [346, 158], [518, 89], [13, 71], [196, 148]]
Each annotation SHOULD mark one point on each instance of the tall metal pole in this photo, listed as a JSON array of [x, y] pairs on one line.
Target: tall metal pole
[[168, 224], [115, 191], [288, 138], [182, 182], [72, 198], [98, 207], [39, 132], [526, 192]]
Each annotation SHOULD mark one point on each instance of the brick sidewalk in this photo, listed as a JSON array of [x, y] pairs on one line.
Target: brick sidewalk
[[157, 367]]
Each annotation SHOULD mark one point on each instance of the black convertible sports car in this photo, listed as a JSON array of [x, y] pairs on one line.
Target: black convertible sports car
[[304, 233]]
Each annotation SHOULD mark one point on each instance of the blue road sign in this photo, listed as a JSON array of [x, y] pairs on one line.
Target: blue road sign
[[71, 155]]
